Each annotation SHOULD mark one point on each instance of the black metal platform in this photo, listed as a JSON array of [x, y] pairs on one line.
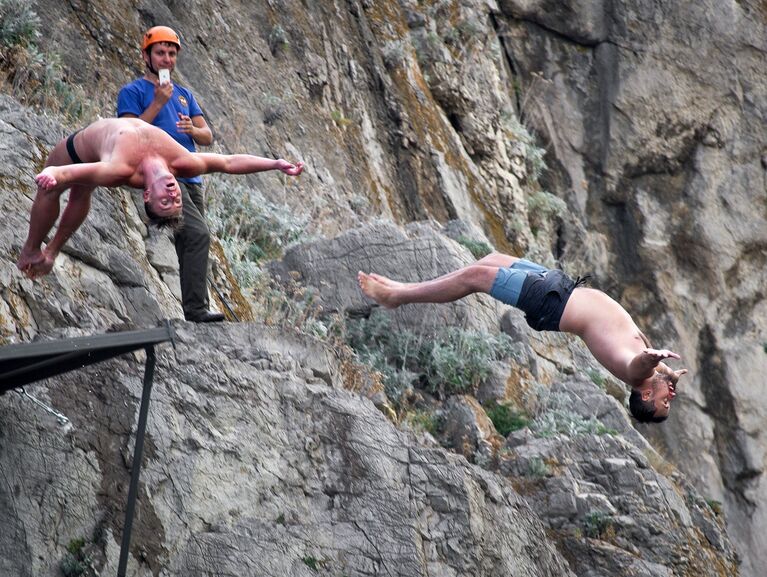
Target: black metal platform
[[25, 363]]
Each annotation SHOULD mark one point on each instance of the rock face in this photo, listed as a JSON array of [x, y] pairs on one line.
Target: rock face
[[654, 114], [612, 504], [651, 116], [616, 506], [257, 464]]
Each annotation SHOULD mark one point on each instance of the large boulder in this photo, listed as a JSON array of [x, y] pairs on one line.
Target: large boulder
[[417, 253]]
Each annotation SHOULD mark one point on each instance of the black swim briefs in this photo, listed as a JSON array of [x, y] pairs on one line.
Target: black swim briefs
[[71, 149], [543, 298]]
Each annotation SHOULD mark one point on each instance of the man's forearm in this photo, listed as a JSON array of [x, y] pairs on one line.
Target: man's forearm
[[91, 174], [641, 367], [151, 112], [205, 163], [202, 136], [645, 363], [247, 164]]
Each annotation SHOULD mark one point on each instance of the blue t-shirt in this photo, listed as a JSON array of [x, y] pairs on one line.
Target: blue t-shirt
[[135, 98]]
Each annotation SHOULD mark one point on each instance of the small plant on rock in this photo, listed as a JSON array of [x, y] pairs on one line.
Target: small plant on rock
[[250, 228], [556, 418], [19, 23], [538, 468], [312, 562], [599, 525], [505, 419], [478, 249], [34, 77], [76, 563], [597, 378], [424, 421], [278, 40], [393, 54], [449, 361], [339, 119], [543, 208], [715, 506]]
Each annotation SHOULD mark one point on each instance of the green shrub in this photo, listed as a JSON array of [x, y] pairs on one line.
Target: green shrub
[[533, 154], [278, 39], [543, 205], [428, 49], [455, 360], [445, 362], [597, 378], [538, 468], [477, 248], [393, 53], [395, 380], [76, 546], [75, 562], [274, 109], [313, 563], [71, 567], [19, 23], [424, 421], [715, 506], [598, 525], [568, 423], [505, 419], [250, 228], [376, 346], [340, 120], [38, 78]]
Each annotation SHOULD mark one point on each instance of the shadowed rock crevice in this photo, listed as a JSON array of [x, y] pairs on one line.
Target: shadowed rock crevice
[[739, 471]]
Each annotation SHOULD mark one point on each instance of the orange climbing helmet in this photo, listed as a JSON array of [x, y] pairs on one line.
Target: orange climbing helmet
[[160, 34]]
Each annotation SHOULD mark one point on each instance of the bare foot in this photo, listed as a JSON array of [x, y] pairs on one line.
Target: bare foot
[[385, 280], [376, 290], [35, 263], [41, 268], [45, 180], [29, 258]]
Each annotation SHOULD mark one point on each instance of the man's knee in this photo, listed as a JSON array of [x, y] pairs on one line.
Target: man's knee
[[479, 277]]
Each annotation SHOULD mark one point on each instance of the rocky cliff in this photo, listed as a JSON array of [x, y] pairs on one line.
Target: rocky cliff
[[650, 116]]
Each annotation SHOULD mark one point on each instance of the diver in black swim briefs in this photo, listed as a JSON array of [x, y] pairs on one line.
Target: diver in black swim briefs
[[71, 148]]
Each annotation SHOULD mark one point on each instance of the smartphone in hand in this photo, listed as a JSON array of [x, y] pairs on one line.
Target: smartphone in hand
[[164, 75]]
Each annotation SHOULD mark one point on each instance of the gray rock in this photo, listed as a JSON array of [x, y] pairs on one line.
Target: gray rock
[[468, 429], [611, 508], [419, 253], [651, 117], [250, 469]]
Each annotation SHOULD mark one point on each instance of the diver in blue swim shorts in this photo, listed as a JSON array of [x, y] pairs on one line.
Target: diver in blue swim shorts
[[552, 301]]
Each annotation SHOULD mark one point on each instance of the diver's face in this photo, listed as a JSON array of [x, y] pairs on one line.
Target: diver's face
[[663, 392], [164, 196]]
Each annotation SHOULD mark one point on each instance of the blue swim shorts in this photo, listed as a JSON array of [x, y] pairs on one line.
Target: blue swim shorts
[[540, 293], [508, 282]]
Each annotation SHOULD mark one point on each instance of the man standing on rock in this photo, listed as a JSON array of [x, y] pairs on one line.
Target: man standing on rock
[[173, 108], [552, 301], [117, 152]]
